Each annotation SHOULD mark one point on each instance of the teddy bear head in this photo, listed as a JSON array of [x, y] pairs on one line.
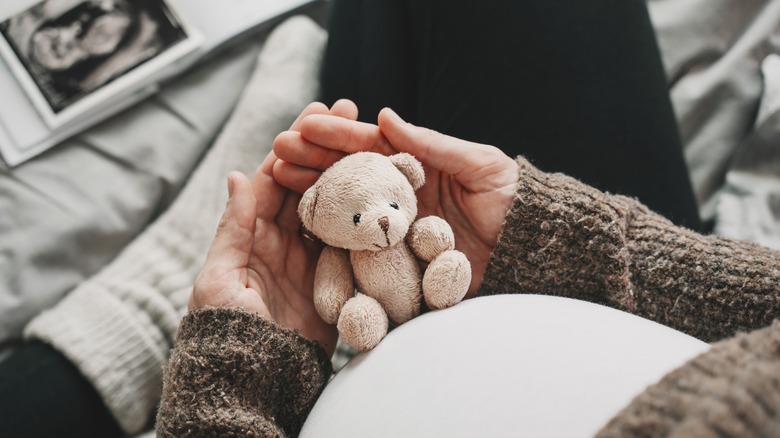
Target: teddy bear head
[[365, 201]]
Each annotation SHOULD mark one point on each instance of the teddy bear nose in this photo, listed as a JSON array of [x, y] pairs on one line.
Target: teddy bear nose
[[384, 223]]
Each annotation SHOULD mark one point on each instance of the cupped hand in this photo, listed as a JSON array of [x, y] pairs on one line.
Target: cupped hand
[[470, 185], [258, 260]]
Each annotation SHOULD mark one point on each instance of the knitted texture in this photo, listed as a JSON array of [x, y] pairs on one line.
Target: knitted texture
[[118, 327], [236, 374], [733, 390], [562, 237]]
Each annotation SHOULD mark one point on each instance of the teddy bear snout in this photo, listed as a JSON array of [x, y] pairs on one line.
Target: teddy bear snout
[[384, 223], [387, 230]]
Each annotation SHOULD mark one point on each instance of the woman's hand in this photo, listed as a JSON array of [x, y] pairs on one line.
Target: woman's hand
[[470, 185], [258, 260]]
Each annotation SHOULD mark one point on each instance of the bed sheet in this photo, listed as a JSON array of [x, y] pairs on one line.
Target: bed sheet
[[724, 75]]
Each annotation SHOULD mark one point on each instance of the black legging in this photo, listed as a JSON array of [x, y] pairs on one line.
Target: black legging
[[574, 86]]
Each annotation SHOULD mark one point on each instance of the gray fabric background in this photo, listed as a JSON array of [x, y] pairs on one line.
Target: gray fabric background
[[66, 213], [721, 63]]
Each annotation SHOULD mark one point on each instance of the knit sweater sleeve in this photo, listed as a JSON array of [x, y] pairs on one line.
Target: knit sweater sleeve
[[731, 390], [562, 237], [232, 373]]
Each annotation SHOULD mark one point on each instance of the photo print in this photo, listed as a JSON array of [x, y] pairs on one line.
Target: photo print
[[63, 51]]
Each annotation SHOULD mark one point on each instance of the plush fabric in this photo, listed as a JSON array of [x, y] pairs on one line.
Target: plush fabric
[[366, 203]]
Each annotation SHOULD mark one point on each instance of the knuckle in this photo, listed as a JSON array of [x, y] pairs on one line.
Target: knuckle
[[224, 222], [431, 135]]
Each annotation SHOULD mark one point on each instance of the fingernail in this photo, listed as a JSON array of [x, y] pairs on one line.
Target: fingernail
[[230, 186]]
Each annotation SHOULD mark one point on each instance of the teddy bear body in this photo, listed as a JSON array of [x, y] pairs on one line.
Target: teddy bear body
[[364, 208], [401, 297]]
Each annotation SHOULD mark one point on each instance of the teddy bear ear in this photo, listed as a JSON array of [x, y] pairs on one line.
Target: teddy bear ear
[[307, 206], [410, 167]]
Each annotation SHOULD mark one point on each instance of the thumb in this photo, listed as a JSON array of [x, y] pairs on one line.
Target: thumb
[[232, 244], [439, 151]]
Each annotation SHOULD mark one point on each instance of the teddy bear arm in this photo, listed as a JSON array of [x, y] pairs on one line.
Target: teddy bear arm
[[430, 236], [333, 283]]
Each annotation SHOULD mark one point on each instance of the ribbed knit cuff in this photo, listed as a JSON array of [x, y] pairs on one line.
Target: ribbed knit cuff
[[102, 336], [233, 373], [706, 286], [560, 237]]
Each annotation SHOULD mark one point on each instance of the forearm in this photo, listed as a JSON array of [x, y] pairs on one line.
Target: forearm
[[232, 373], [562, 237], [731, 390]]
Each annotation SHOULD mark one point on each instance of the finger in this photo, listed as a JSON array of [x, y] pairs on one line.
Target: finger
[[301, 154], [344, 135], [295, 178], [291, 147], [312, 108], [263, 182], [232, 244], [267, 191], [345, 108], [442, 152]]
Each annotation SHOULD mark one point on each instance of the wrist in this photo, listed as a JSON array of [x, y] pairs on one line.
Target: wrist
[[560, 237], [205, 296], [216, 349]]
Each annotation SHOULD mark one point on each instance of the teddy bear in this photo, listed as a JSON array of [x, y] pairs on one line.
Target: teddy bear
[[368, 275]]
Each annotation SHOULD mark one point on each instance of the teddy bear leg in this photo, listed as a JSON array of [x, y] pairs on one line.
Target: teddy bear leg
[[362, 323], [446, 280]]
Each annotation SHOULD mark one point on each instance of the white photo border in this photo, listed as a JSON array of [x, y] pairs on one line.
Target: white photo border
[[123, 83]]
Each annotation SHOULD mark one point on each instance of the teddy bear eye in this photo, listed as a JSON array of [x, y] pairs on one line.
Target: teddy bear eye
[[356, 218], [394, 205]]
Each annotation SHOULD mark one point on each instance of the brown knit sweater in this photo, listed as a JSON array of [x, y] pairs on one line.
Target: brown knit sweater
[[232, 373]]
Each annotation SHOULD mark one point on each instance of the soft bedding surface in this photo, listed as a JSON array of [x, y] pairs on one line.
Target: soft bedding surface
[[66, 213], [724, 74]]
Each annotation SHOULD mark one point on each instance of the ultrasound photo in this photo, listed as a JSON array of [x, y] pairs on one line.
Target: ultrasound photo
[[71, 48]]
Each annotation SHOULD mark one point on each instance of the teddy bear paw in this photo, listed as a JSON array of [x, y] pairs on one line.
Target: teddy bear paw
[[362, 323], [430, 236], [446, 280]]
